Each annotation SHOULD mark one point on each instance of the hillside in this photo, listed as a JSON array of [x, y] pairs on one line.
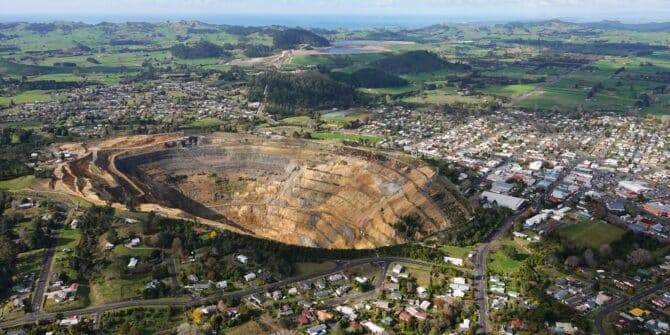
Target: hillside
[[295, 94], [292, 38], [370, 78], [201, 49], [414, 62]]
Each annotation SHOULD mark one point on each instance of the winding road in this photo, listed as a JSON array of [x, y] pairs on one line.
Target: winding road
[[382, 261]]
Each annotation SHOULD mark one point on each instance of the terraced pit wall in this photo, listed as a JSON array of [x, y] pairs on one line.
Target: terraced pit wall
[[318, 196]]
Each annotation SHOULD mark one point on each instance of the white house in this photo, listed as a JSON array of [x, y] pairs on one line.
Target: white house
[[71, 321], [454, 260], [373, 328], [347, 311], [133, 263], [535, 166], [464, 326], [242, 259], [537, 219], [398, 269], [133, 242], [425, 305], [250, 276], [361, 280]]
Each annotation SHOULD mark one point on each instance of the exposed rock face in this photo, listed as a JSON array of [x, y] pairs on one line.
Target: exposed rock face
[[292, 191]]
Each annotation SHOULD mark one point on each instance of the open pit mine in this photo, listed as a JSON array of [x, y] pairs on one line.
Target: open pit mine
[[294, 191]]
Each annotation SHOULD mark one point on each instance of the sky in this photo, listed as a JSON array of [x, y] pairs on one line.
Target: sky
[[625, 10]]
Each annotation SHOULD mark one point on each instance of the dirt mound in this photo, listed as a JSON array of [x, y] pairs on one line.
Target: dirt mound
[[296, 192]]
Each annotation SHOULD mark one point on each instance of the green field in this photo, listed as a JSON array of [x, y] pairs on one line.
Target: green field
[[501, 262], [307, 268], [348, 137], [460, 252], [69, 238], [19, 183], [207, 123], [146, 320], [111, 285], [29, 97], [591, 234], [510, 91], [30, 262]]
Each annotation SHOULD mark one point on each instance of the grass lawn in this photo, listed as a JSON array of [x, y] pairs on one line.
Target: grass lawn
[[307, 268], [18, 183], [502, 262], [206, 123], [8, 312], [510, 91], [69, 238], [29, 96], [110, 289], [348, 137], [146, 320], [297, 120], [391, 90], [591, 234], [110, 285], [446, 96], [367, 270], [460, 252], [421, 273], [30, 262]]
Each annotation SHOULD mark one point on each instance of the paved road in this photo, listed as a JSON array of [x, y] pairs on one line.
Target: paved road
[[341, 266], [45, 273], [479, 274], [481, 298], [600, 317]]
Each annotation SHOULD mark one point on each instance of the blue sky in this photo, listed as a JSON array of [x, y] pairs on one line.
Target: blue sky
[[636, 10]]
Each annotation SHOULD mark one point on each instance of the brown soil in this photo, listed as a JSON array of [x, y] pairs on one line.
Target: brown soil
[[292, 191]]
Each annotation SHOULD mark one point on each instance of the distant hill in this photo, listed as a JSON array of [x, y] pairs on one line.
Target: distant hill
[[291, 38], [201, 49], [641, 27], [369, 77], [299, 93], [415, 62]]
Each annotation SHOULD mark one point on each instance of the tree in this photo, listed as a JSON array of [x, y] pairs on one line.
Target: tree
[[8, 256], [112, 236], [605, 250], [640, 256], [131, 203], [590, 258], [572, 261], [197, 315]]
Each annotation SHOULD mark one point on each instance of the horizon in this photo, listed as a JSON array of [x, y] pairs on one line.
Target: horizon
[[322, 21], [380, 12]]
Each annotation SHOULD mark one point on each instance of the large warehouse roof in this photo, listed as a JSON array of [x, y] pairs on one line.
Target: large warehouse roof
[[510, 202]]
